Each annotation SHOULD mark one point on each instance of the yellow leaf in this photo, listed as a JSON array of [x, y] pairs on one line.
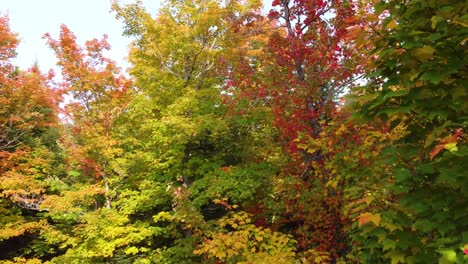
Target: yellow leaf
[[332, 184], [390, 226], [448, 256], [220, 254], [238, 245], [392, 24], [452, 147], [435, 20], [413, 75], [459, 22], [397, 258], [231, 252], [424, 53]]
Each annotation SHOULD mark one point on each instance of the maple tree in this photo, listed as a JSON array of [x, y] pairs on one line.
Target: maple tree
[[96, 150], [308, 60], [194, 148], [30, 157], [99, 94], [418, 86]]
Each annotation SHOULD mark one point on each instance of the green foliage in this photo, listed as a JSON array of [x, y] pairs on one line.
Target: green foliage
[[419, 86], [237, 184], [181, 140], [149, 196]]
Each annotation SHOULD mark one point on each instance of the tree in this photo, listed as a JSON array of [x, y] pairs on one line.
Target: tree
[[418, 86], [100, 93], [184, 135], [309, 58], [101, 204], [31, 161]]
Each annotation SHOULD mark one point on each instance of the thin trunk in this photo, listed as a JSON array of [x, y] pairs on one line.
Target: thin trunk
[[297, 60], [108, 199], [106, 182]]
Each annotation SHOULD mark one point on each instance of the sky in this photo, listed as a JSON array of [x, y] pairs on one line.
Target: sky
[[87, 19]]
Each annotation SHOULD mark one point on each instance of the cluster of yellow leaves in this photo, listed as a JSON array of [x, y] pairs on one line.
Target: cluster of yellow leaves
[[19, 227], [68, 200], [247, 243], [22, 175], [317, 257], [104, 232], [20, 260]]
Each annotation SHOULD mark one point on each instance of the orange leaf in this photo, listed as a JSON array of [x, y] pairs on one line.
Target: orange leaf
[[353, 31], [446, 143], [436, 150], [365, 218]]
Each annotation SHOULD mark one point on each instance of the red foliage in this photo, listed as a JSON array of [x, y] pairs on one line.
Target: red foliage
[[304, 69]]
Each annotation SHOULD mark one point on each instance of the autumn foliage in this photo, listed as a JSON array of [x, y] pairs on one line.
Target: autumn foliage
[[302, 132]]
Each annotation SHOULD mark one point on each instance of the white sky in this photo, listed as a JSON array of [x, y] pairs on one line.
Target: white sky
[[87, 19]]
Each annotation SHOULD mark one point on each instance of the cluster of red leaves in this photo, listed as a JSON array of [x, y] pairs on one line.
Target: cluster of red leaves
[[302, 69], [26, 99]]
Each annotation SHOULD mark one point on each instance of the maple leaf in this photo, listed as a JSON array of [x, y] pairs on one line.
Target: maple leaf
[[448, 143], [365, 218], [353, 31], [424, 54]]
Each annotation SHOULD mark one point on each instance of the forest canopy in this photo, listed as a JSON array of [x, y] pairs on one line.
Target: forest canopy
[[320, 131]]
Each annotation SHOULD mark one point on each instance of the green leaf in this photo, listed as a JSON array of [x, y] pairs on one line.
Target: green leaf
[[398, 93], [435, 20], [434, 77], [435, 36], [389, 244], [396, 257], [402, 174], [465, 236], [74, 173], [448, 256], [378, 101]]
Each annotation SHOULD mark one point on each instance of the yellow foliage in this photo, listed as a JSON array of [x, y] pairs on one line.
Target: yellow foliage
[[19, 227], [247, 243], [314, 256], [20, 260]]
